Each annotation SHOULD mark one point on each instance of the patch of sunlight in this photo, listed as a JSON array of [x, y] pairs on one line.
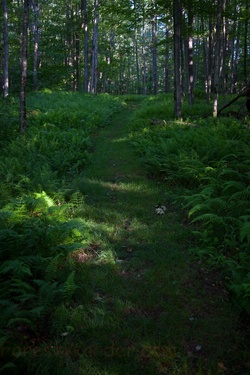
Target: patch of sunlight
[[99, 228], [106, 256], [126, 186], [122, 139]]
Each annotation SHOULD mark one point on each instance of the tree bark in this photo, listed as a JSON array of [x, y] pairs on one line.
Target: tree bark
[[24, 61], [86, 46], [167, 80], [36, 43], [154, 50], [246, 44], [177, 59], [190, 60], [6, 50], [94, 70], [217, 57]]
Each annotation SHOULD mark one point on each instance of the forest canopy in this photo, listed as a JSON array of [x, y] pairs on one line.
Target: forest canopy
[[127, 46]]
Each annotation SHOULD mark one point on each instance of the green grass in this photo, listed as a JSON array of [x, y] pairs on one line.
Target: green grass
[[118, 291]]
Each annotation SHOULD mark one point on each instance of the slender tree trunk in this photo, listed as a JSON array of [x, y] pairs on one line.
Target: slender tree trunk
[[167, 81], [137, 63], [6, 50], [36, 43], [154, 50], [217, 57], [246, 44], [68, 45], [86, 45], [144, 59], [235, 61], [209, 60], [24, 60], [177, 59], [94, 70], [190, 57], [76, 61]]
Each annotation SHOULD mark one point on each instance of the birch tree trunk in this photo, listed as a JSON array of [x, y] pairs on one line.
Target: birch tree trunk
[[6, 50], [94, 68], [24, 60], [177, 59]]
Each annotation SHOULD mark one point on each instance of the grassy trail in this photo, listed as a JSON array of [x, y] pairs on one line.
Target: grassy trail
[[151, 310]]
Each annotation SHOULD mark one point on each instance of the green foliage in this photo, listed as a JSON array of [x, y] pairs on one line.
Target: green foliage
[[40, 173], [210, 160]]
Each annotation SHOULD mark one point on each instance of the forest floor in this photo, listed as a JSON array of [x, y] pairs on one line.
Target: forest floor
[[156, 309]]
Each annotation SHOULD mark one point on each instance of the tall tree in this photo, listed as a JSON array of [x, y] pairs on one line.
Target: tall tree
[[154, 48], [86, 45], [24, 61], [217, 56], [94, 68], [246, 43], [6, 50], [190, 60], [177, 59], [35, 8]]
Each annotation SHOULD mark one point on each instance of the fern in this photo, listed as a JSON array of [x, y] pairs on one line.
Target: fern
[[69, 287], [245, 231], [17, 266]]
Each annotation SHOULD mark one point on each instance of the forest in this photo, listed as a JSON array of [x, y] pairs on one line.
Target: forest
[[124, 187]]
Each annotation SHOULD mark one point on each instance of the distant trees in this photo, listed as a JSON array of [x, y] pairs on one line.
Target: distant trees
[[129, 46]]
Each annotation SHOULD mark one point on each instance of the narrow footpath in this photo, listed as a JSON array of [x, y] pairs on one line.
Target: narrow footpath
[[155, 311]]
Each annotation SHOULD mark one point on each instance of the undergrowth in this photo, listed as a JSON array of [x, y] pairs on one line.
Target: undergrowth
[[40, 173], [60, 314], [209, 159]]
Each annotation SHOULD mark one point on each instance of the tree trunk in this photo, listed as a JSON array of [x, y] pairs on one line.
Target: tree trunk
[[167, 81], [76, 61], [245, 44], [36, 43], [177, 59], [94, 69], [217, 57], [24, 60], [86, 45], [154, 50], [190, 57], [6, 50]]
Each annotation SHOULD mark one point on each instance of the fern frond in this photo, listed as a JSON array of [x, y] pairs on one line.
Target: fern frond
[[69, 287], [198, 208], [209, 218], [245, 231], [17, 266]]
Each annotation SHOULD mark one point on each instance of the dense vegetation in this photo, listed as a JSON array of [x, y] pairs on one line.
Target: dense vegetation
[[40, 200], [93, 281], [47, 303], [210, 160]]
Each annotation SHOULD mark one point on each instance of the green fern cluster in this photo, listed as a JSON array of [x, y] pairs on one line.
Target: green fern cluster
[[36, 276], [40, 173], [211, 162]]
